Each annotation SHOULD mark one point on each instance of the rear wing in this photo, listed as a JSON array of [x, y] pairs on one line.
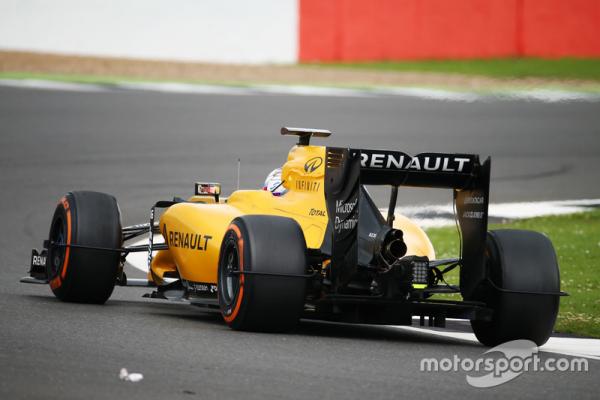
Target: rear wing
[[436, 170], [347, 169]]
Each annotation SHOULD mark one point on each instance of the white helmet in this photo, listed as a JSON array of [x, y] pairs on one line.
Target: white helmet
[[274, 184]]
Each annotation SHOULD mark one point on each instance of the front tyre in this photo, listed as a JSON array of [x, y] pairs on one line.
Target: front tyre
[[523, 264], [77, 274], [267, 244]]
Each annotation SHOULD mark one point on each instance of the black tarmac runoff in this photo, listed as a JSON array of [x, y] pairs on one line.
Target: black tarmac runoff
[[145, 146]]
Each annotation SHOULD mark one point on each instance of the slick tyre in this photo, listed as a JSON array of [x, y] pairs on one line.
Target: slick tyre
[[77, 274], [262, 244], [523, 269]]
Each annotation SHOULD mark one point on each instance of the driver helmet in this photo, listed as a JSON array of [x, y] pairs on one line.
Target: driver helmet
[[274, 184]]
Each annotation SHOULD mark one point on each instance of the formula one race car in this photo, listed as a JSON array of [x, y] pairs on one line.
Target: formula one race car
[[322, 250]]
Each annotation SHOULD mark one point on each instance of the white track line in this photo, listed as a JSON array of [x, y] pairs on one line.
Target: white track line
[[140, 260], [53, 85], [550, 96], [300, 90], [431, 94], [184, 88], [576, 347], [542, 95]]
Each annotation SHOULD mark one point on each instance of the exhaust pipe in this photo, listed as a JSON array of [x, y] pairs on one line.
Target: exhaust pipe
[[392, 245]]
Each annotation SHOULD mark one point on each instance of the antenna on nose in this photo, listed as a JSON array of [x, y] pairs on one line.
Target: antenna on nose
[[304, 134]]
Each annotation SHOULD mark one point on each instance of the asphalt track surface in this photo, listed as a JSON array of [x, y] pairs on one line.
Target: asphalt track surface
[[142, 147]]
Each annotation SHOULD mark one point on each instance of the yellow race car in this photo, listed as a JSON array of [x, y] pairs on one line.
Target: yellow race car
[[321, 249]]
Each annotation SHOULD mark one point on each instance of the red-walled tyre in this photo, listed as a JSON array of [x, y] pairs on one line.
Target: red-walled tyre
[[267, 303], [77, 274]]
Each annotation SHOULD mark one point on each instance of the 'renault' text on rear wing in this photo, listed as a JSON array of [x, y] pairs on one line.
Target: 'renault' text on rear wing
[[435, 170]]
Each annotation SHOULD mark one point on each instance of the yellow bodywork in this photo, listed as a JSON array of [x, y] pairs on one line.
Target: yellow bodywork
[[194, 230]]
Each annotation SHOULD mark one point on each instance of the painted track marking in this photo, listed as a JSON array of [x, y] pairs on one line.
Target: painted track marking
[[539, 95]]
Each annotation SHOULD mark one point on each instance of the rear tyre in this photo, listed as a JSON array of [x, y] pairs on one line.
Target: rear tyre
[[268, 303], [521, 261], [83, 275]]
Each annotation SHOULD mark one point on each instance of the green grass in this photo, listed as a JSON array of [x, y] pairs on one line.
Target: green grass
[[564, 68], [576, 238]]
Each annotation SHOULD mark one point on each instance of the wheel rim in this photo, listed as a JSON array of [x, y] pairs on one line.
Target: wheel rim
[[229, 278], [57, 254]]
